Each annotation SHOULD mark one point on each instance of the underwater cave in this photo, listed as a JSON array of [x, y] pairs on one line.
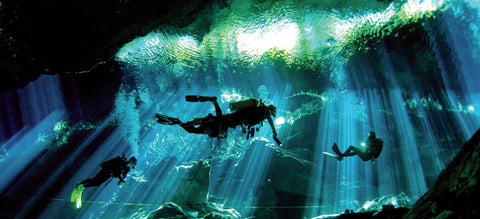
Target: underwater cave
[[81, 83]]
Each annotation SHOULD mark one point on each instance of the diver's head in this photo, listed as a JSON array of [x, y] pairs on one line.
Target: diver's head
[[132, 162], [372, 134]]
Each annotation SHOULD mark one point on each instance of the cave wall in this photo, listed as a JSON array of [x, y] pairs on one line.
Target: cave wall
[[456, 191], [65, 37]]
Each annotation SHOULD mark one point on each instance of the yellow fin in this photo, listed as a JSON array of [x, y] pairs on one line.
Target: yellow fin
[[77, 195]]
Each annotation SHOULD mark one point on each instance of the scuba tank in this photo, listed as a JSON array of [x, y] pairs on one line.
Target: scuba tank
[[243, 104]]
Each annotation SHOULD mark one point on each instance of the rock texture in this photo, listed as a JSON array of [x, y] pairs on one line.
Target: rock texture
[[193, 190], [456, 192], [52, 37], [168, 210], [190, 199], [172, 210]]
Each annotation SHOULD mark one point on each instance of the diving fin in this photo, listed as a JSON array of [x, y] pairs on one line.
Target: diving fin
[[165, 120], [76, 196], [333, 155]]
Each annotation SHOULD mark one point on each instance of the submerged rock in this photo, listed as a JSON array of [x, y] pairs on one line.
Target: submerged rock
[[391, 201], [391, 206], [215, 215], [168, 210], [193, 190], [456, 191], [190, 199], [214, 210], [208, 210]]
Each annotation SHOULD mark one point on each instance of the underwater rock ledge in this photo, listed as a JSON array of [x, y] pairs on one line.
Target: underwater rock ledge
[[51, 37], [191, 197], [456, 191]]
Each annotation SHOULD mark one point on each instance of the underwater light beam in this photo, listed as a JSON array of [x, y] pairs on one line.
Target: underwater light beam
[[414, 7], [280, 120], [282, 35]]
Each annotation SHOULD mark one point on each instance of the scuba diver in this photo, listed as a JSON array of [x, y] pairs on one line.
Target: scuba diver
[[373, 148], [248, 113], [117, 167]]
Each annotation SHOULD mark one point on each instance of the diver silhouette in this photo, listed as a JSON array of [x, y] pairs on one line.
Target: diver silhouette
[[247, 113], [373, 148], [117, 167]]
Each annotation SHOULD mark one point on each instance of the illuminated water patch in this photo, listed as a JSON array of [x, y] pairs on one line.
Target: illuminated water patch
[[414, 7], [158, 48], [282, 35], [279, 121], [471, 109]]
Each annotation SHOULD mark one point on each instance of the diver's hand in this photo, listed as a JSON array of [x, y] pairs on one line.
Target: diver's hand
[[121, 182]]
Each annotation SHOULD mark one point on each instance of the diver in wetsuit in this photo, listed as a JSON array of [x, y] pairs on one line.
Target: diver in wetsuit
[[373, 148], [248, 114], [117, 167]]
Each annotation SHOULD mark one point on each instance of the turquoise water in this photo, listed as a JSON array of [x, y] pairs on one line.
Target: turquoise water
[[335, 71]]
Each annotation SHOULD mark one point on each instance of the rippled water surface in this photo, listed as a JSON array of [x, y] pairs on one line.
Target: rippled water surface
[[335, 70]]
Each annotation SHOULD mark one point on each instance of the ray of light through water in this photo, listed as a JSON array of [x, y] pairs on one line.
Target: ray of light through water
[[334, 76]]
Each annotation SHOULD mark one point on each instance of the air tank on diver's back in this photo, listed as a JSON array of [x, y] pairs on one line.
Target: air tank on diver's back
[[243, 104]]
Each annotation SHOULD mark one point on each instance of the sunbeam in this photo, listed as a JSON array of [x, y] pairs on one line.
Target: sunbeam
[[336, 71]]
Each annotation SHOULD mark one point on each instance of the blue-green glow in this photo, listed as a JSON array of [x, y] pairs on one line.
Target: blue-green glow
[[335, 73]]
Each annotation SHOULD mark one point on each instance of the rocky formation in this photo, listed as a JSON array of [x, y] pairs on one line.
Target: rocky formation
[[172, 210], [193, 190], [456, 191], [168, 210], [383, 207], [62, 37], [190, 199]]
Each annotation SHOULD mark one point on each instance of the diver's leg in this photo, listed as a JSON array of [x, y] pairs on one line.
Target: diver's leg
[[76, 195], [218, 111], [217, 128], [363, 155], [211, 128], [199, 121], [336, 150], [100, 178], [190, 128], [196, 98], [351, 151]]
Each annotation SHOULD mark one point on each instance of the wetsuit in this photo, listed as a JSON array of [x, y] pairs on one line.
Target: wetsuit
[[116, 167], [373, 149], [218, 125]]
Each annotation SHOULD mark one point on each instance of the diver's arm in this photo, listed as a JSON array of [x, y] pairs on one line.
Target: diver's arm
[[270, 121], [122, 176]]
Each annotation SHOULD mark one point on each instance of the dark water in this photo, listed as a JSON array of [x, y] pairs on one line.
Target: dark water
[[406, 70]]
